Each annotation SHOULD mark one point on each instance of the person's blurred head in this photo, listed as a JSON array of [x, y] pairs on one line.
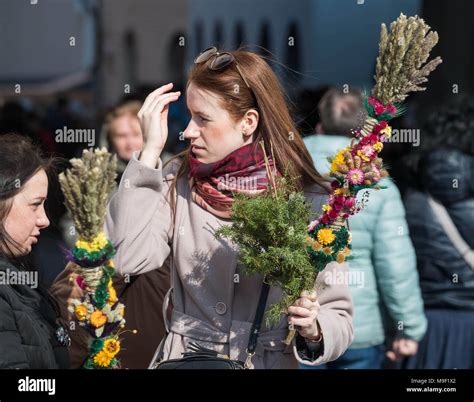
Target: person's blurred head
[[450, 125], [226, 114], [340, 112], [23, 191], [123, 129]]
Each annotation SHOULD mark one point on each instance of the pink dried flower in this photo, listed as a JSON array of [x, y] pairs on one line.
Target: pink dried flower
[[368, 151], [379, 109], [378, 173], [391, 109], [355, 176], [349, 202], [340, 199]]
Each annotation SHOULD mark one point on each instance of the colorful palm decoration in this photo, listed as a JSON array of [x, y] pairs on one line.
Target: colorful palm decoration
[[276, 242], [86, 187]]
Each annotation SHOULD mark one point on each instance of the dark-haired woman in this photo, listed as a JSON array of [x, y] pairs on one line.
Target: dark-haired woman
[[30, 336]]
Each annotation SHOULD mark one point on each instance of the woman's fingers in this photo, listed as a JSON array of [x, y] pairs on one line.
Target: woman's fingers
[[152, 96], [159, 103], [155, 109], [299, 311], [304, 312], [309, 294], [307, 303], [303, 302], [152, 107], [302, 322]]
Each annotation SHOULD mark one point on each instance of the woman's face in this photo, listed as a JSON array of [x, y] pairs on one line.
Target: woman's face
[[126, 136], [212, 131], [27, 215]]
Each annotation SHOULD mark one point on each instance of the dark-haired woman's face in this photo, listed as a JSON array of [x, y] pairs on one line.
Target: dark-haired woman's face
[[212, 131], [27, 215]]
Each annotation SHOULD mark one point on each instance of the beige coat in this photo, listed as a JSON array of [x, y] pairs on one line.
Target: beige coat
[[214, 300]]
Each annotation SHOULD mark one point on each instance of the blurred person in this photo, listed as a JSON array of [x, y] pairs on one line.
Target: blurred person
[[31, 336], [440, 214], [384, 279], [61, 116], [122, 133], [224, 132]]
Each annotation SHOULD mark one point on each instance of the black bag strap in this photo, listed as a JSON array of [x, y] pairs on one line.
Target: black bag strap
[[254, 331], [257, 323]]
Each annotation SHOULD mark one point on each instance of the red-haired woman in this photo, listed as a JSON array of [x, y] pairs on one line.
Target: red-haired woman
[[235, 102]]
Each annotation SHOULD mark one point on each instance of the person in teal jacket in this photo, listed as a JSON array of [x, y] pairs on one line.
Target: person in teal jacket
[[383, 275]]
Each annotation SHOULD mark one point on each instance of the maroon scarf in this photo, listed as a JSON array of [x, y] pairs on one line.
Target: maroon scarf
[[213, 185]]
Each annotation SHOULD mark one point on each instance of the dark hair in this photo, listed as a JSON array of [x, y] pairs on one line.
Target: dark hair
[[341, 112], [20, 160], [451, 125]]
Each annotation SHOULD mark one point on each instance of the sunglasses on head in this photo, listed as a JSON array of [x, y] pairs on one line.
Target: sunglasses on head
[[218, 61]]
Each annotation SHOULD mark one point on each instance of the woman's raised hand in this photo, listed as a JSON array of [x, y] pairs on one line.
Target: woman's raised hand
[[153, 118]]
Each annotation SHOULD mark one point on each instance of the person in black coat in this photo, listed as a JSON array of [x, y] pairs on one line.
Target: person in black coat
[[445, 173], [30, 336]]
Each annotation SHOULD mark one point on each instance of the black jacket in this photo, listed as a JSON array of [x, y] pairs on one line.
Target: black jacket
[[28, 329], [446, 279]]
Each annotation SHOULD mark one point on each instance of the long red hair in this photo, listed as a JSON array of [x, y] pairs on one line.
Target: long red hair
[[275, 124]]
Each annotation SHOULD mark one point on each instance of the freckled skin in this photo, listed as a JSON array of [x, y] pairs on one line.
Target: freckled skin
[[213, 128]]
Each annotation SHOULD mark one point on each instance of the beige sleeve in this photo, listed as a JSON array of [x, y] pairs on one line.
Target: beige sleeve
[[335, 316], [139, 222]]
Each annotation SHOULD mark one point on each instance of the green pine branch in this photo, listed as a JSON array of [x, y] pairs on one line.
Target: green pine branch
[[270, 231]]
